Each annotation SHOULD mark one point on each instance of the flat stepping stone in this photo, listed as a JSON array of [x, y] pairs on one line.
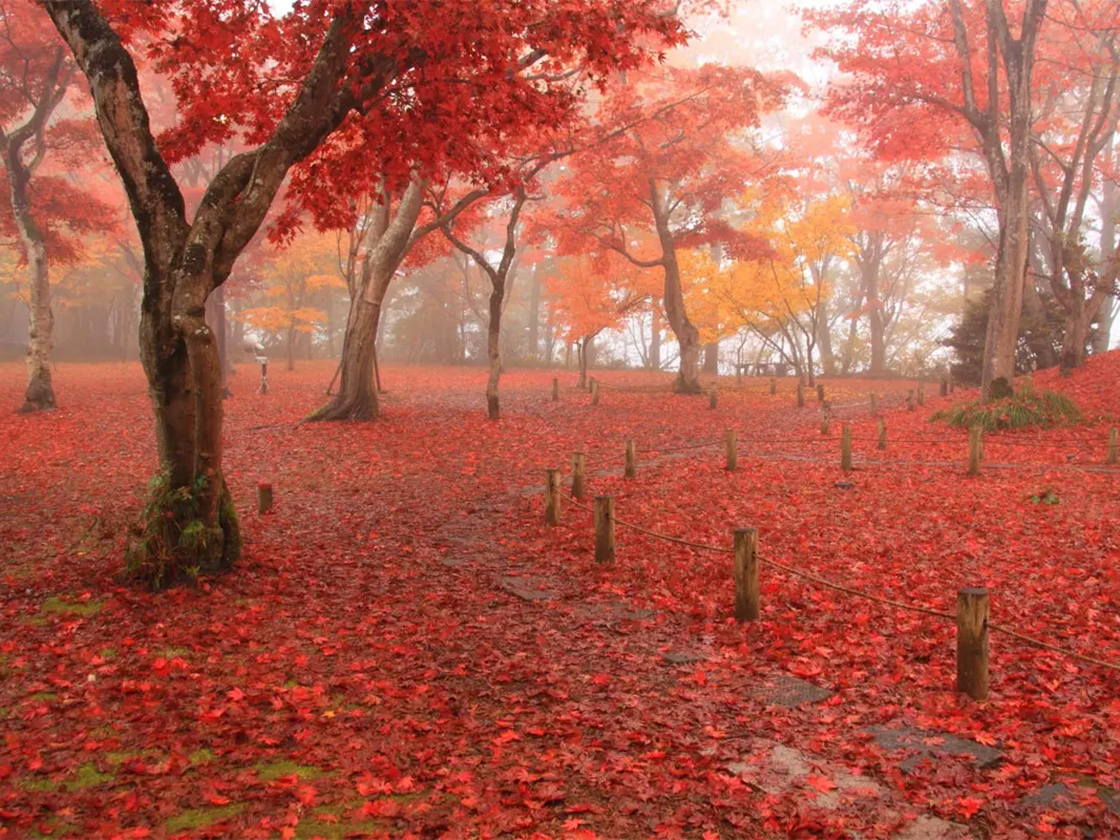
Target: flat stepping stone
[[789, 691], [528, 589], [683, 657], [1061, 797], [930, 745]]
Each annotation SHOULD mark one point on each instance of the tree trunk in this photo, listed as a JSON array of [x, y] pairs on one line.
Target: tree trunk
[[1002, 336], [357, 397], [39, 395], [493, 350], [711, 358], [1110, 219], [824, 340], [654, 337], [534, 315]]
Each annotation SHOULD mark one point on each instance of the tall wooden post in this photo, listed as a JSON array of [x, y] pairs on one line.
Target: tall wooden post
[[732, 451], [975, 449], [773, 385], [881, 425], [800, 395], [264, 496], [604, 529], [594, 392], [820, 394], [1113, 456], [631, 461], [972, 642], [579, 475], [555, 389], [746, 575], [846, 448], [552, 496]]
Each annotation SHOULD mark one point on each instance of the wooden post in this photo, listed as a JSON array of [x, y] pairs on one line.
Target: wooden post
[[555, 389], [944, 386], [1113, 456], [921, 393], [882, 427], [825, 417], [874, 403], [732, 451], [773, 385], [846, 448], [264, 496], [972, 642], [800, 395], [604, 529], [594, 392], [591, 383], [631, 460], [552, 496], [579, 476], [975, 449], [739, 375], [952, 385], [712, 399], [820, 394], [745, 572], [910, 400]]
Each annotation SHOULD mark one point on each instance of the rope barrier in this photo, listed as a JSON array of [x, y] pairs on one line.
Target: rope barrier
[[890, 602]]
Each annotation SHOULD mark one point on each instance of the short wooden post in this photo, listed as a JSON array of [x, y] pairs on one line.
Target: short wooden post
[[591, 383], [944, 386], [921, 393], [631, 461], [972, 642], [604, 529], [555, 389], [910, 400], [874, 403], [881, 425], [746, 575], [846, 448], [975, 449], [552, 496], [952, 385], [732, 451], [773, 385], [594, 392], [712, 399], [739, 375], [264, 496], [1113, 456], [825, 417], [820, 394], [800, 395], [579, 475]]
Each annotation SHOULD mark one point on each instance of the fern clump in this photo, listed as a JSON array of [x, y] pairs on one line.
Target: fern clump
[[1026, 409]]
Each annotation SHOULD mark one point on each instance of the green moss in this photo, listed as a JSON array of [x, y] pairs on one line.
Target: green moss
[[194, 818], [55, 605], [116, 758], [172, 652], [203, 756], [279, 769], [1029, 408], [108, 653], [43, 697], [39, 785], [87, 777]]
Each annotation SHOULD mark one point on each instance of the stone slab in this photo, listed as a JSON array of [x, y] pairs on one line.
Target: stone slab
[[789, 691], [930, 745], [528, 589], [1059, 797], [683, 657]]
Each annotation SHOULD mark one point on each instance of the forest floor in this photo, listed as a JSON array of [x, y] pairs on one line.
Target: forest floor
[[407, 650]]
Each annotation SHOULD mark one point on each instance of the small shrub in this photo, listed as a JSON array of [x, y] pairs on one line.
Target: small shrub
[[1019, 411]]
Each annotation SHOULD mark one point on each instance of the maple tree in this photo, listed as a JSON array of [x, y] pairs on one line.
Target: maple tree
[[47, 212], [670, 175]]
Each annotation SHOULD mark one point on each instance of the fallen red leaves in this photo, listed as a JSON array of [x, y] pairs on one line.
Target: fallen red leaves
[[368, 671]]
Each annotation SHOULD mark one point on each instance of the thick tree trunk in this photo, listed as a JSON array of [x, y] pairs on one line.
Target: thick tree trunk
[[357, 397], [1002, 336], [688, 337]]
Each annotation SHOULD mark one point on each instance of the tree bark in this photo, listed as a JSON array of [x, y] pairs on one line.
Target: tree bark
[[654, 337], [688, 336]]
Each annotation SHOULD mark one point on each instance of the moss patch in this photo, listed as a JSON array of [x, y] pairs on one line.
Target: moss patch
[[43, 697], [56, 606], [203, 756], [39, 785], [280, 769], [202, 817], [87, 777], [172, 652]]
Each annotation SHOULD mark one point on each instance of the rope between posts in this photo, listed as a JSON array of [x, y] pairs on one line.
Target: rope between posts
[[999, 628], [682, 448], [890, 602]]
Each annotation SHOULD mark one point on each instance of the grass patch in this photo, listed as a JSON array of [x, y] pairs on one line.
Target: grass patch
[[194, 818], [203, 756], [172, 652], [1027, 409], [87, 777], [43, 697], [39, 785], [56, 606], [280, 769]]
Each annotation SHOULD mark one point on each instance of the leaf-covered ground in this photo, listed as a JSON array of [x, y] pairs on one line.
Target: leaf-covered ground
[[408, 651]]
